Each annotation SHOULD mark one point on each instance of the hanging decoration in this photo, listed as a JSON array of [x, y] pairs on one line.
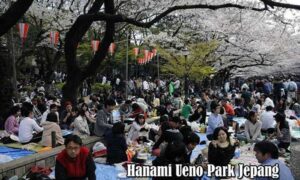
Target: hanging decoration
[[95, 45], [146, 55], [154, 52], [135, 51], [54, 37], [140, 61], [151, 55], [112, 48], [23, 30]]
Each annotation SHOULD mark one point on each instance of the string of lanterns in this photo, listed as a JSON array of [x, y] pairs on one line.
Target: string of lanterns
[[95, 44]]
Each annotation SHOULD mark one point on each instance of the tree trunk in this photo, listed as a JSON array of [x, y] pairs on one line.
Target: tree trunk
[[6, 85], [71, 89]]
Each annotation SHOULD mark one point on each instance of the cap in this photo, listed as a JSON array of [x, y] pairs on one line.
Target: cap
[[99, 150]]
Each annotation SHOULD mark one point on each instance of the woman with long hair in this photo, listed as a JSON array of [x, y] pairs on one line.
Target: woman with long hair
[[199, 115]]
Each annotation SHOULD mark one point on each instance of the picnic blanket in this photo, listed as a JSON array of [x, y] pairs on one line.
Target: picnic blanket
[[198, 149], [31, 146], [240, 120], [13, 153], [294, 128]]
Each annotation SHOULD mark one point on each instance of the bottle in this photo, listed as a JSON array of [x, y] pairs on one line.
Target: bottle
[[237, 153]]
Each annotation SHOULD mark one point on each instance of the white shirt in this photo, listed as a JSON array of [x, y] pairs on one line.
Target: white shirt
[[145, 85], [268, 102], [252, 130], [104, 80], [26, 128], [245, 86], [118, 81], [176, 84], [267, 120]]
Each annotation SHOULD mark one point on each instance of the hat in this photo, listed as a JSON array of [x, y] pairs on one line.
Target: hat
[[279, 116], [99, 150]]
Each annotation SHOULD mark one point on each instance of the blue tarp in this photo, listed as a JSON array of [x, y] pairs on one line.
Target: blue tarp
[[14, 153]]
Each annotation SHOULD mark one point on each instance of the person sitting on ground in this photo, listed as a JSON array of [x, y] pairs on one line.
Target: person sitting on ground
[[221, 149], [186, 109], [267, 154], [11, 124], [167, 110], [116, 144], [295, 106], [154, 133], [75, 161], [267, 101], [136, 110], [215, 120], [66, 116], [51, 125], [138, 128], [229, 110], [191, 142], [80, 125], [282, 132], [170, 132], [199, 115], [252, 128], [176, 155], [88, 114], [29, 130], [126, 109], [104, 118], [53, 108], [280, 106], [267, 119]]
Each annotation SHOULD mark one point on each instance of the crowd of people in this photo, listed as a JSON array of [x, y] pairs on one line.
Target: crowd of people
[[262, 103]]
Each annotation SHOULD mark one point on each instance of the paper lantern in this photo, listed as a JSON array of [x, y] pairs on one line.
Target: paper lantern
[[95, 45], [23, 30], [135, 51], [112, 48], [154, 52], [54, 37]]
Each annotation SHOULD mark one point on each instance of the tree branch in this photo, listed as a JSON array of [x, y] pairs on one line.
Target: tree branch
[[75, 34], [13, 14], [273, 4]]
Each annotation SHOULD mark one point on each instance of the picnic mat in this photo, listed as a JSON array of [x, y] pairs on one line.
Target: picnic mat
[[14, 153], [31, 146]]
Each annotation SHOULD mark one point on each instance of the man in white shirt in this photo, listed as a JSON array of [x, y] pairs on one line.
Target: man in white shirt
[[103, 80], [145, 86], [28, 125], [177, 84], [267, 119], [267, 102]]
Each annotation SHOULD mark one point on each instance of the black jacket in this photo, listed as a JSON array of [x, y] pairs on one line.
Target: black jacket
[[116, 148]]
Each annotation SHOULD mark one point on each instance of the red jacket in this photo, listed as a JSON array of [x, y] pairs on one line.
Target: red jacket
[[75, 168]]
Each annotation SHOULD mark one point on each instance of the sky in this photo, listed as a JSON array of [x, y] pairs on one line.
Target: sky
[[294, 2]]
